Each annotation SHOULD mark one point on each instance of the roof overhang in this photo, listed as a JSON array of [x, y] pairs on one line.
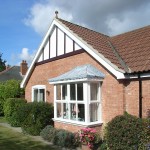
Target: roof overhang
[[118, 73]]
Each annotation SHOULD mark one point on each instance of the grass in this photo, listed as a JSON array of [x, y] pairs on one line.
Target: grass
[[2, 120], [11, 140]]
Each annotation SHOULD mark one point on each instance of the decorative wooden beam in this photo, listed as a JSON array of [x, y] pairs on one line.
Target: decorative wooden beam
[[61, 56]]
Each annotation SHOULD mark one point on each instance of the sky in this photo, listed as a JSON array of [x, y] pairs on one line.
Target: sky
[[23, 23]]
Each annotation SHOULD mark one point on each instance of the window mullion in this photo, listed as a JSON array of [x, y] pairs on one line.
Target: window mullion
[[86, 101], [100, 102], [68, 101], [55, 104], [76, 101], [38, 97]]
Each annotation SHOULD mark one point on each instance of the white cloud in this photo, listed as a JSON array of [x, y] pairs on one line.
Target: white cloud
[[108, 17], [25, 55], [41, 16]]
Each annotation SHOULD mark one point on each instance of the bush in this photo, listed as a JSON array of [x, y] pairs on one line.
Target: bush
[[40, 114], [48, 133], [21, 114], [10, 108], [11, 89], [145, 134], [64, 138], [126, 132]]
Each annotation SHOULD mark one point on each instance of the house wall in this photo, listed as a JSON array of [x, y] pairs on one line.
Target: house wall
[[132, 97], [112, 90]]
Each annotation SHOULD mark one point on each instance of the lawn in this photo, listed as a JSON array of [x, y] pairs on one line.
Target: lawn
[[11, 140]]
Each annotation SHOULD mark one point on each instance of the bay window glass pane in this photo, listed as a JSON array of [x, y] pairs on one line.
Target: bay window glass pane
[[94, 91], [41, 95], [65, 111], [72, 92], [59, 112], [74, 111], [81, 112], [58, 92], [64, 91], [35, 95], [80, 92], [94, 112]]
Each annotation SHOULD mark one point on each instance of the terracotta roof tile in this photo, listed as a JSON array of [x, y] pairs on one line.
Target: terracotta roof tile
[[133, 47], [97, 40]]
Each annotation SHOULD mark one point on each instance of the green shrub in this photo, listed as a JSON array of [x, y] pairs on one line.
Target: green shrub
[[48, 133], [40, 114], [21, 114], [11, 89], [64, 138], [10, 107], [102, 146], [145, 134], [125, 132]]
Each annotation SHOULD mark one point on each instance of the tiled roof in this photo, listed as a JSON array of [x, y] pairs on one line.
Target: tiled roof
[[81, 72], [132, 48], [11, 73]]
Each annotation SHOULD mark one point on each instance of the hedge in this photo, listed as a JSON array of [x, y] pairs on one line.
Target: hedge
[[10, 108], [39, 115]]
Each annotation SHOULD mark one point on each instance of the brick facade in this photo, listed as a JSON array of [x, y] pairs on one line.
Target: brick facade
[[117, 95]]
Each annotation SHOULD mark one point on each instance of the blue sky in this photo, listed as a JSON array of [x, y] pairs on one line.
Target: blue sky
[[23, 23], [14, 34]]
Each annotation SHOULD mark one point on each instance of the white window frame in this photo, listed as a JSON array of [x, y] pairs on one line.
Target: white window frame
[[86, 101], [38, 87]]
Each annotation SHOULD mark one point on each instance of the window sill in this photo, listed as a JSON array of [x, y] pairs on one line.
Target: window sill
[[83, 124]]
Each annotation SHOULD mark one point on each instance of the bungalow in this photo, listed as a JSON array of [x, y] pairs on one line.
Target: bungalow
[[90, 77]]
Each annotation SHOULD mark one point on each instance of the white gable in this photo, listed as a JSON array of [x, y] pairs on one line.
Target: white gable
[[60, 40], [57, 44]]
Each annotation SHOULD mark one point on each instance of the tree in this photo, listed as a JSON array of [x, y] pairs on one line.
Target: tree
[[2, 63]]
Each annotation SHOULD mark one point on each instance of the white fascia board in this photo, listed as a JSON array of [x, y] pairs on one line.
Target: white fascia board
[[118, 73], [135, 76], [23, 83], [78, 80]]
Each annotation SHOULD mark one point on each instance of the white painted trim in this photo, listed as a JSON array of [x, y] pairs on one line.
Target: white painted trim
[[78, 80], [38, 87]]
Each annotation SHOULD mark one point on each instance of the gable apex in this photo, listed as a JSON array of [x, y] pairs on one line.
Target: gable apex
[[56, 23]]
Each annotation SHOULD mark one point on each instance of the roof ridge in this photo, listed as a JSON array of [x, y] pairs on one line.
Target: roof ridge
[[120, 59], [83, 27], [6, 70]]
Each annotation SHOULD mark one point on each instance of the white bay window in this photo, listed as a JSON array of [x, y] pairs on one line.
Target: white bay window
[[78, 102], [77, 96]]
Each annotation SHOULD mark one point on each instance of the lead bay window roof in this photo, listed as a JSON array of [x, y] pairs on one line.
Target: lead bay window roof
[[87, 72]]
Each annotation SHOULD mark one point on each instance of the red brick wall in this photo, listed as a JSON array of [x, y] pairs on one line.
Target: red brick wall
[[73, 128], [116, 96], [146, 97], [132, 97]]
